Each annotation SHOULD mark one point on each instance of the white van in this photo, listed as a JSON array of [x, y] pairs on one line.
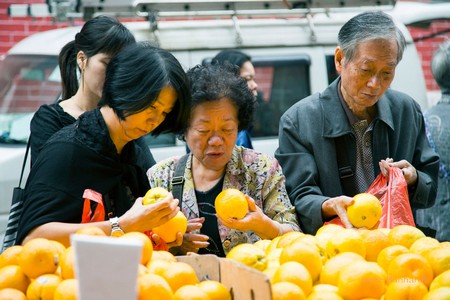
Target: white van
[[292, 51]]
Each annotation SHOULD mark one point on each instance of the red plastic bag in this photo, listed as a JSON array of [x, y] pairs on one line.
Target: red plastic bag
[[392, 191], [89, 215], [393, 194]]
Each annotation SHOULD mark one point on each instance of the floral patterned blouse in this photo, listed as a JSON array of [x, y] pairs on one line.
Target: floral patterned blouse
[[255, 174]]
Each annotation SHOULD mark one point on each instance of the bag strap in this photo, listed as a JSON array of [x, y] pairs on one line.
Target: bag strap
[[346, 173], [178, 179], [24, 160]]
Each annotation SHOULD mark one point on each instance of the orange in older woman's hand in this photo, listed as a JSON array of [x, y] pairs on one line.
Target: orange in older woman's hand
[[231, 203], [168, 231]]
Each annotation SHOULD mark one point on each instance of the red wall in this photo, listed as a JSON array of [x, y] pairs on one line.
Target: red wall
[[13, 30]]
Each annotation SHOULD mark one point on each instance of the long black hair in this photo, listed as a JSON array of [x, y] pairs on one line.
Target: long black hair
[[101, 34], [135, 77]]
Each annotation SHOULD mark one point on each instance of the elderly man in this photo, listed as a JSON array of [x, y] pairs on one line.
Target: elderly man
[[333, 144]]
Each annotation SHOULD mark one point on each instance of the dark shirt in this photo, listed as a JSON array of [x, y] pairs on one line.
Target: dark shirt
[[78, 157], [210, 227]]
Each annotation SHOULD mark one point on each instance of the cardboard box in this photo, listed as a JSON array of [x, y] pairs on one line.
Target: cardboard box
[[244, 283]]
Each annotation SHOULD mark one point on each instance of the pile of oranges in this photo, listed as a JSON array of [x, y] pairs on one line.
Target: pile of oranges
[[43, 269], [353, 264]]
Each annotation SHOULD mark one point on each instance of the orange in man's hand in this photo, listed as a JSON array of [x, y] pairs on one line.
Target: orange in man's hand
[[365, 211], [231, 203]]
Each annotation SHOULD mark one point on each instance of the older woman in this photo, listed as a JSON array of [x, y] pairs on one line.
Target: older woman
[[222, 104], [94, 160]]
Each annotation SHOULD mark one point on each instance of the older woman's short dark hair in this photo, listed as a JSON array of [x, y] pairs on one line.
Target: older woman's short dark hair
[[136, 76], [214, 82]]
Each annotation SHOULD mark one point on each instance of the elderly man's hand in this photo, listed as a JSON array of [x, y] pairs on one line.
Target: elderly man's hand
[[408, 170], [337, 206]]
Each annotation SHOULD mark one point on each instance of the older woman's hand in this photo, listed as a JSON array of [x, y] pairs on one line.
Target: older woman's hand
[[192, 242], [145, 217]]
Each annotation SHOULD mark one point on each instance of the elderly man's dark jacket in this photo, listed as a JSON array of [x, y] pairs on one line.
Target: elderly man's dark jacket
[[307, 149]]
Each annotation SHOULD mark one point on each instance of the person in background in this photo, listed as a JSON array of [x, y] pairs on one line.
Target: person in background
[[222, 105], [88, 55], [333, 144], [93, 160], [246, 71], [437, 120]]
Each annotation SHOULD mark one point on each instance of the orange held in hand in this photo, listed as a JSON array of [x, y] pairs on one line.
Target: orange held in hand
[[231, 203], [154, 195], [168, 231], [365, 211]]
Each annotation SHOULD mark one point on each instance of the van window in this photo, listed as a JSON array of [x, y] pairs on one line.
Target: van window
[[282, 81], [26, 82]]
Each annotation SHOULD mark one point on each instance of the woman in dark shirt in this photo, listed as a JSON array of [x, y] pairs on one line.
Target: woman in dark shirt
[[145, 90]]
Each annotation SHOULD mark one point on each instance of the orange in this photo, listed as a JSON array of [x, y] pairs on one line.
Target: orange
[[439, 259], [91, 230], [67, 290], [153, 287], [348, 240], [332, 268], [215, 290], [388, 254], [67, 264], [43, 288], [328, 230], [163, 255], [287, 291], [365, 211], [362, 279], [154, 195], [412, 266], [273, 244], [422, 245], [273, 258], [142, 270], [324, 287], [304, 253], [178, 274], [441, 280], [442, 293], [375, 241], [406, 289], [231, 203], [10, 256], [13, 277], [325, 295], [316, 243], [288, 237], [263, 244], [38, 256], [168, 231], [12, 294], [295, 273], [249, 255], [190, 292], [147, 247], [60, 248], [158, 266], [404, 235]]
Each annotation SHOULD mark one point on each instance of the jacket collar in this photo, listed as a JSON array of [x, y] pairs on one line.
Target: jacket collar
[[335, 121]]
